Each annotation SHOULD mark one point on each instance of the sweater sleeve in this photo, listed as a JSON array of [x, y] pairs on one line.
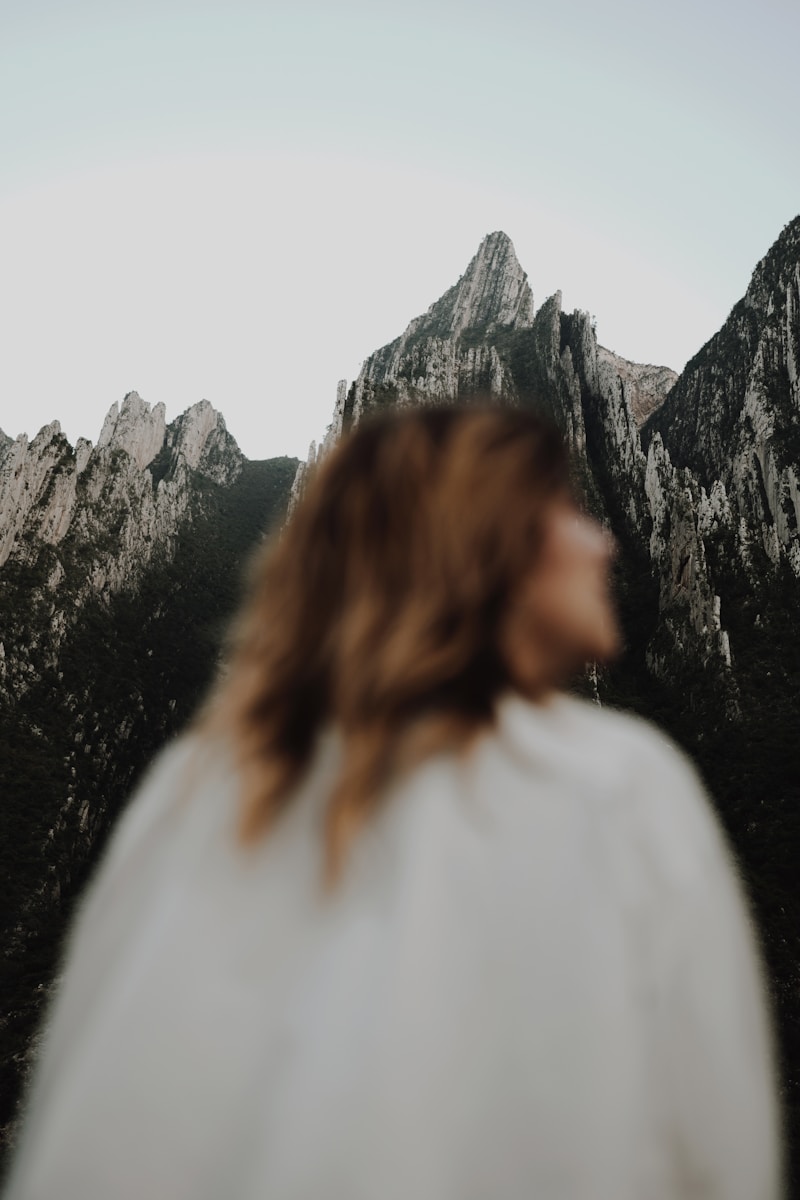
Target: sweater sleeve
[[716, 1061]]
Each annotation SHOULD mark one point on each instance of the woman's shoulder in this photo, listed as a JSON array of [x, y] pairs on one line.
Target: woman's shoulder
[[167, 790], [585, 737], [628, 767]]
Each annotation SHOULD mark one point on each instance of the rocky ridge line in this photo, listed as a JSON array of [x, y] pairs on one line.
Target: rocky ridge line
[[483, 337], [111, 507]]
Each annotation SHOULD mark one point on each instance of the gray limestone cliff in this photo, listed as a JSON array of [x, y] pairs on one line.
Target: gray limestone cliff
[[101, 513], [449, 349], [732, 418], [484, 338], [5, 445], [646, 386], [697, 475]]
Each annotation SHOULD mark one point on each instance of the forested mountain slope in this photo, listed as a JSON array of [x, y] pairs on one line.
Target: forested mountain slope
[[120, 567]]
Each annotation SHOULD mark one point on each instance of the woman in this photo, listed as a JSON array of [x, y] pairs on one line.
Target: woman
[[399, 918]]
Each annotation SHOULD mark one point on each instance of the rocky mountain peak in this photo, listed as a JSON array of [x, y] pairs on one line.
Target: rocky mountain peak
[[199, 438], [482, 338], [493, 290], [139, 474], [777, 271], [435, 359], [33, 481], [134, 428], [195, 427]]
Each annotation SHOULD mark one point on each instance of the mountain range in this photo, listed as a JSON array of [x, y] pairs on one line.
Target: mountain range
[[119, 567]]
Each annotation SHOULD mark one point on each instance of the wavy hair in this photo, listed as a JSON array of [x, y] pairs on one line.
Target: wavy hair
[[378, 608]]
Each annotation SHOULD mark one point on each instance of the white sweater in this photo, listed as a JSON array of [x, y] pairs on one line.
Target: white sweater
[[536, 980]]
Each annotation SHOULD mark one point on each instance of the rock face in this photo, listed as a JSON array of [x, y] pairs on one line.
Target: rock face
[[135, 429], [732, 418], [119, 565], [446, 351], [484, 338], [646, 386], [698, 474], [104, 513], [139, 471], [681, 514]]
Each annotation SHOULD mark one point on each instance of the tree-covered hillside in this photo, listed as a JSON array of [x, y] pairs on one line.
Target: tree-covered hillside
[[127, 676]]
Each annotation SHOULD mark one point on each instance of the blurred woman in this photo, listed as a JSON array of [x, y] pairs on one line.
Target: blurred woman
[[399, 917]]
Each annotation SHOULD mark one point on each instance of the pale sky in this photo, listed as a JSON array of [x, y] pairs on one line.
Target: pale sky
[[240, 201]]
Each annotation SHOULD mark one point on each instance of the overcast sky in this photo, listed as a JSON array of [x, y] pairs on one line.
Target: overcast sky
[[240, 201]]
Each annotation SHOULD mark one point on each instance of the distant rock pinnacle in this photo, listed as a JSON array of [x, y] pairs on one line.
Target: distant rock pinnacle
[[135, 428], [493, 290], [432, 360]]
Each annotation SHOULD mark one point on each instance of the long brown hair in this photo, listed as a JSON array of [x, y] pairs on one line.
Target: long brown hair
[[377, 609]]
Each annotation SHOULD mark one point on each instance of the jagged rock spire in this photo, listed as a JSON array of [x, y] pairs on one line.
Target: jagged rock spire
[[39, 496], [135, 428], [429, 362], [493, 290]]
